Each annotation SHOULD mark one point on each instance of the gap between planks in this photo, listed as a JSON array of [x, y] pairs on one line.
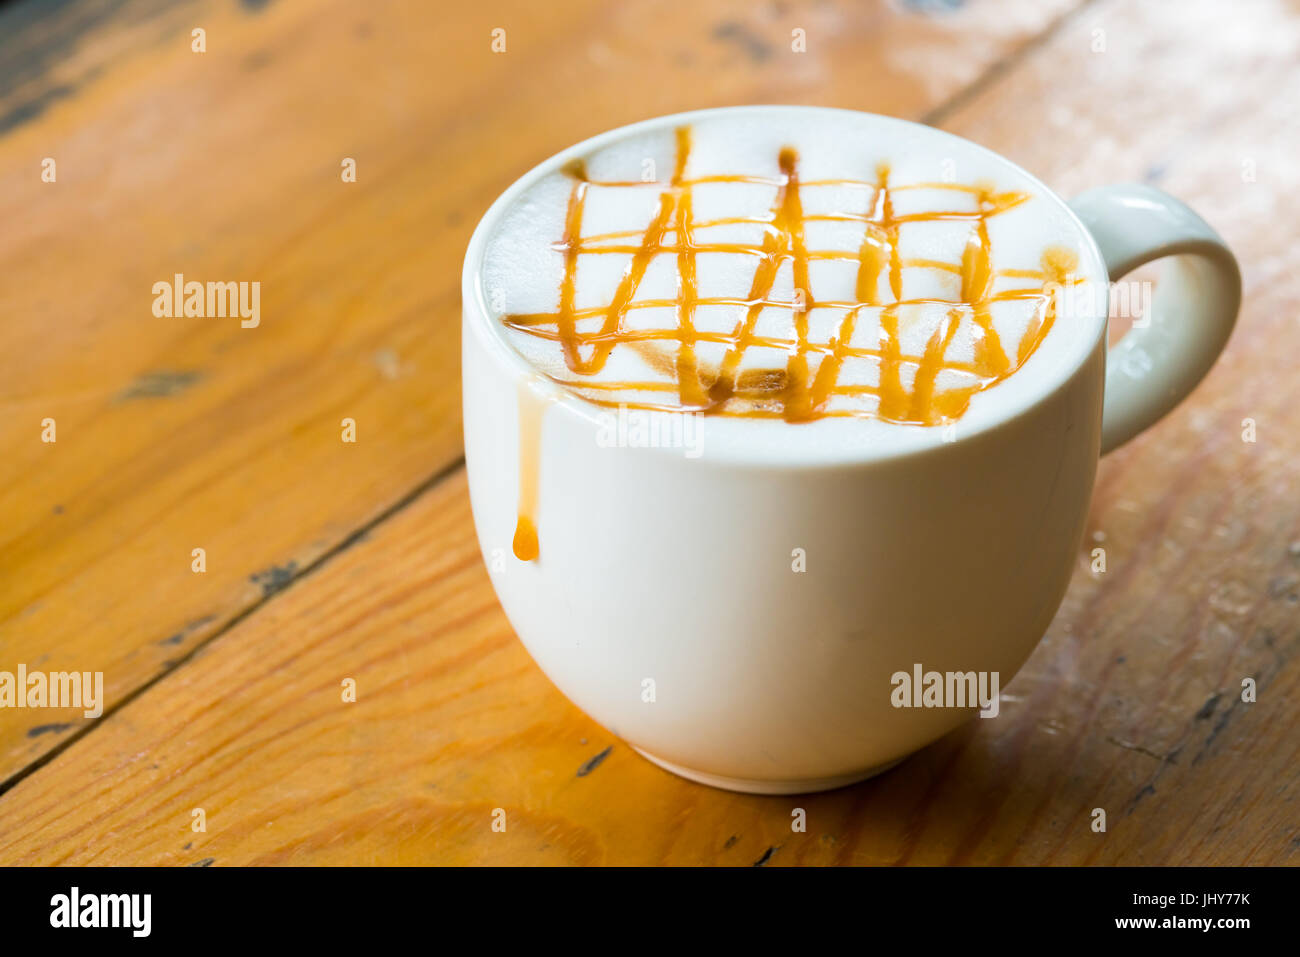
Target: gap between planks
[[356, 535], [1000, 68]]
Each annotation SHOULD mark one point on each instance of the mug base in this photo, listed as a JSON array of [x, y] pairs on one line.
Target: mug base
[[761, 786]]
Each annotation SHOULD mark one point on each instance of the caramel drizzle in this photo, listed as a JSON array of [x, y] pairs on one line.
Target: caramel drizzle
[[791, 392], [531, 410]]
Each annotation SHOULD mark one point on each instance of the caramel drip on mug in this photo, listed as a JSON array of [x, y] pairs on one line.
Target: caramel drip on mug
[[531, 410], [795, 392]]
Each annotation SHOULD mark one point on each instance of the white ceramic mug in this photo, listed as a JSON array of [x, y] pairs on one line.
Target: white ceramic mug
[[665, 602]]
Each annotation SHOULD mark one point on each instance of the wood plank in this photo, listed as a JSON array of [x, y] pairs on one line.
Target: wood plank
[[175, 434], [453, 720], [1201, 528]]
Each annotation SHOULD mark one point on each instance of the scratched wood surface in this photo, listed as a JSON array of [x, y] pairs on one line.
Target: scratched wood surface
[[330, 561]]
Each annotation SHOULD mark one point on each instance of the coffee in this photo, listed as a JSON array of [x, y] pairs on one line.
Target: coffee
[[737, 270], [799, 272]]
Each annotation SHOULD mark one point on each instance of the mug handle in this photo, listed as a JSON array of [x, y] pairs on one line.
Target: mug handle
[[1156, 364]]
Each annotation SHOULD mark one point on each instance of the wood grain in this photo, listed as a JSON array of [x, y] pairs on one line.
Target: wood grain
[[1201, 528], [1130, 704], [176, 434]]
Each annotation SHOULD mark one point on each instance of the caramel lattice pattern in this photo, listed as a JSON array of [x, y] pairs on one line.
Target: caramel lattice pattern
[[793, 392]]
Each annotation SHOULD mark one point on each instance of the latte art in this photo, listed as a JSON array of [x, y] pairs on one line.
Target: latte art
[[766, 289]]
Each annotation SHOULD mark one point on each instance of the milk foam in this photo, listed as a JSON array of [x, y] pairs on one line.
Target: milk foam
[[524, 261]]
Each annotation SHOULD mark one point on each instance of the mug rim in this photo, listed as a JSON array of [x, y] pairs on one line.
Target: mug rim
[[493, 337]]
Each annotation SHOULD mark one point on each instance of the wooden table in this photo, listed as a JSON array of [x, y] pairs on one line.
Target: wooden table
[[327, 561]]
